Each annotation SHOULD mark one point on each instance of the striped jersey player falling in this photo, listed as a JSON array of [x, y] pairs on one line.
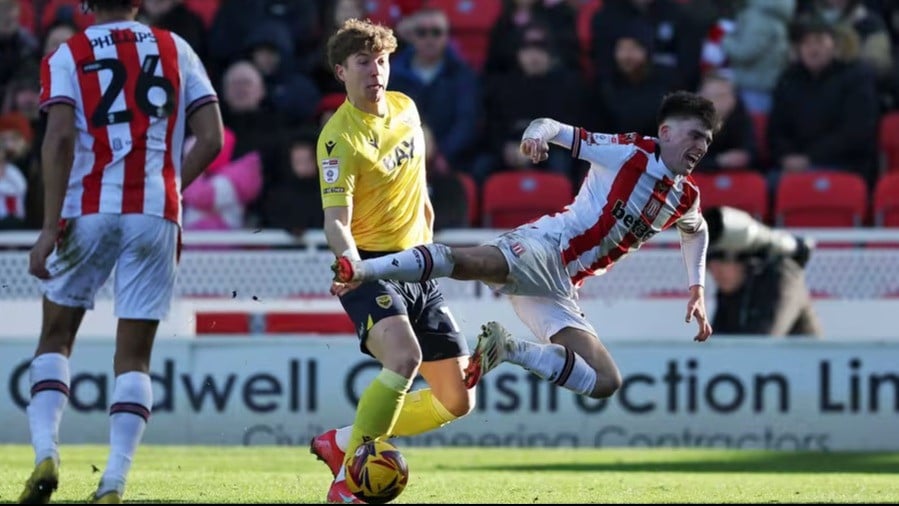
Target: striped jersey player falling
[[637, 186]]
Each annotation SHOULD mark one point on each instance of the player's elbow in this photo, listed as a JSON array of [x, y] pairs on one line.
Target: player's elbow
[[541, 122]]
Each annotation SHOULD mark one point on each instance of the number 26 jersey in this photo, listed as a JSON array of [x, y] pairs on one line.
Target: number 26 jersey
[[132, 87]]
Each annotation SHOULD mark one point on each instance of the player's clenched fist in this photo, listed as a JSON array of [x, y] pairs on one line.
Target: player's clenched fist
[[535, 149]]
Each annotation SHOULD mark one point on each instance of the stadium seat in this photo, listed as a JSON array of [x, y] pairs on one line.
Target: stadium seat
[[384, 12], [65, 9], [206, 9], [886, 201], [474, 198], [517, 196], [821, 198], [470, 24], [742, 189], [888, 141]]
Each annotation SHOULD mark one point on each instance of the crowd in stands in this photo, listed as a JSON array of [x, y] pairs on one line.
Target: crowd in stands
[[805, 87]]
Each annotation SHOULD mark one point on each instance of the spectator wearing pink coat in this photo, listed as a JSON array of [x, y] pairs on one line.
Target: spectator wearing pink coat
[[218, 199]]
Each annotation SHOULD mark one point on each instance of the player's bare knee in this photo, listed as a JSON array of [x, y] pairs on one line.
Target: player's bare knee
[[607, 383], [404, 361], [459, 402]]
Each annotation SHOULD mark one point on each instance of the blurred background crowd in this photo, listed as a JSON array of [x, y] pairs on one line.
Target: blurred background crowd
[[802, 85]]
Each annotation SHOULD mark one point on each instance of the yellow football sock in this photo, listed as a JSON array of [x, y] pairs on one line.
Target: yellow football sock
[[421, 412], [379, 406]]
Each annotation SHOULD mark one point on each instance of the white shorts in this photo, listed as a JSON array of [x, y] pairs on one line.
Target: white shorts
[[538, 286], [143, 249]]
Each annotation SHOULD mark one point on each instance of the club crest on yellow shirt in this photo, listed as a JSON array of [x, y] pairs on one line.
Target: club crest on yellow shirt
[[383, 301]]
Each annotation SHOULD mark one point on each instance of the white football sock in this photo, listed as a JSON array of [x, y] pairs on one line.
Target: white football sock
[[132, 400], [342, 437], [49, 378], [420, 263], [554, 363]]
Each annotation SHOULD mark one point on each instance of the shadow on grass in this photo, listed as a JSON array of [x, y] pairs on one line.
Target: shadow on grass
[[860, 463]]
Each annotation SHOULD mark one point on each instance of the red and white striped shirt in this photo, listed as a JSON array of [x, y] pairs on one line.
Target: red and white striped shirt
[[628, 196], [13, 187], [132, 87]]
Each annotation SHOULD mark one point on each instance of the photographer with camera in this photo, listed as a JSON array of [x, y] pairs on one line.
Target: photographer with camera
[[759, 276]]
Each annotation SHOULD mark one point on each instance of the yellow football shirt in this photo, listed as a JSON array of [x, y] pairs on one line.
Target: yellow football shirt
[[376, 166]]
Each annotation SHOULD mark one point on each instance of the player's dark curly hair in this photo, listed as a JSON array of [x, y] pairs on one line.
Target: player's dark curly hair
[[684, 104], [356, 35]]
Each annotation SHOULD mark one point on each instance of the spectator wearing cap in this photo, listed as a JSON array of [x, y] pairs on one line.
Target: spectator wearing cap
[[626, 98], [677, 40], [515, 16], [235, 20], [825, 111], [445, 89], [538, 86]]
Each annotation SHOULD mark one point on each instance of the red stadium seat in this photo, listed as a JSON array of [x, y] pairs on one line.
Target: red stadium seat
[[470, 23], [515, 197], [743, 189], [474, 198], [68, 9], [888, 141], [206, 9], [384, 12], [886, 201], [820, 199]]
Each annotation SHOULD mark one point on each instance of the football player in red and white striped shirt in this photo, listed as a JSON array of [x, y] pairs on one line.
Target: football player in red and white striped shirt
[[118, 97], [636, 187]]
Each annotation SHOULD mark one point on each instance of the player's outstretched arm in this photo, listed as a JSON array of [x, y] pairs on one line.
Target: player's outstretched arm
[[540, 133]]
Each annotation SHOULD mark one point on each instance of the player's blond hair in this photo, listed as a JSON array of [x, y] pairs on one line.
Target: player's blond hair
[[359, 35]]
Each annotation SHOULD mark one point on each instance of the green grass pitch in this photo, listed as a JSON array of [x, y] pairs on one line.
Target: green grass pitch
[[194, 474]]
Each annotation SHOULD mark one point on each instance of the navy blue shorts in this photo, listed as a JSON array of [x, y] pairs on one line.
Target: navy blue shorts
[[433, 324]]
